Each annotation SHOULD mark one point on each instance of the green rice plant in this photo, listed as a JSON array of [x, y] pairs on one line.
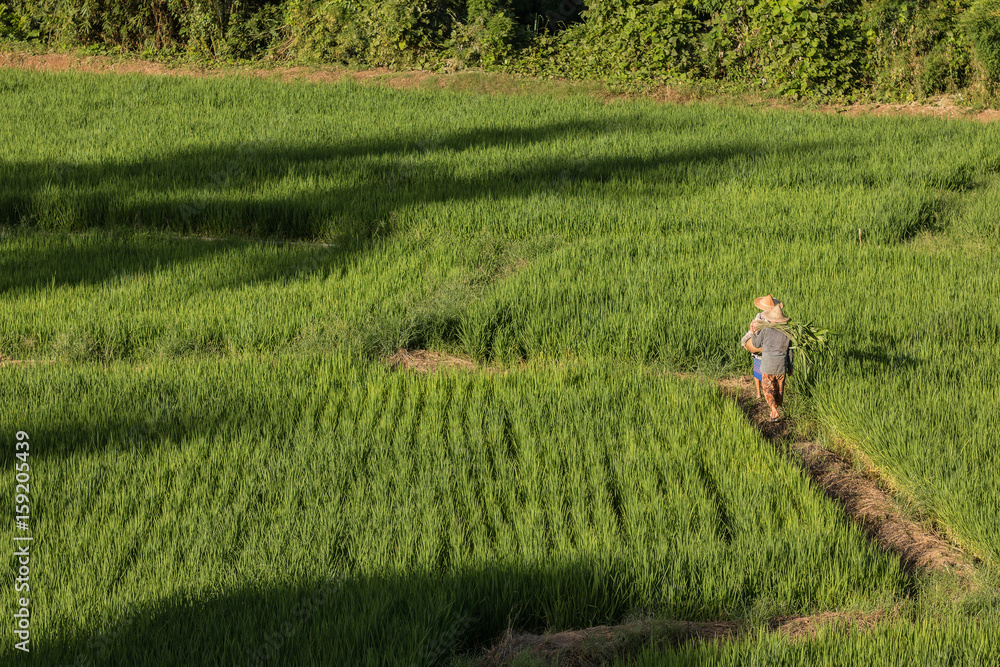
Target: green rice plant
[[221, 495], [948, 639], [216, 297]]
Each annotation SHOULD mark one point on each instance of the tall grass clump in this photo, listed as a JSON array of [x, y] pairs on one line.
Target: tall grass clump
[[982, 23]]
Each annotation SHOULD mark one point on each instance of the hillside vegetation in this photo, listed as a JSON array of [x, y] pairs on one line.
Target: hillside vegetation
[[845, 49]]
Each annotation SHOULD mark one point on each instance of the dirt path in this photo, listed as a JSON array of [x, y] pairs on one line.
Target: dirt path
[[599, 645], [426, 361], [94, 64], [942, 107], [5, 361], [917, 546]]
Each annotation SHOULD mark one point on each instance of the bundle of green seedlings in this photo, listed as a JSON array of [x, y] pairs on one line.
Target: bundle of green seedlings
[[810, 343]]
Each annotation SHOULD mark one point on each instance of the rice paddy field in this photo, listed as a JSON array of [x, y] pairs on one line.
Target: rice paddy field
[[203, 279]]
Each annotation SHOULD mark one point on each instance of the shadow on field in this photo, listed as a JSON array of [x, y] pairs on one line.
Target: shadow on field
[[317, 190], [417, 619], [881, 359], [347, 192], [153, 408], [93, 258]]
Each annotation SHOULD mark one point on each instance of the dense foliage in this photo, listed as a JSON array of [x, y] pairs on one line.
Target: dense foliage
[[842, 48], [982, 23]]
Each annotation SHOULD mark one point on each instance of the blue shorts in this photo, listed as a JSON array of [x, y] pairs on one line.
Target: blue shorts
[[756, 369]]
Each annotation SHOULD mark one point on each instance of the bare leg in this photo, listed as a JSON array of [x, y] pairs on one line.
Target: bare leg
[[772, 394], [757, 383]]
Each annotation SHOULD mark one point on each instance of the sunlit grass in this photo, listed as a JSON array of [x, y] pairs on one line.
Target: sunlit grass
[[217, 266], [573, 495]]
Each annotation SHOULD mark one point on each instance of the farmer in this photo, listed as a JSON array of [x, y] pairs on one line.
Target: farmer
[[776, 357], [762, 303]]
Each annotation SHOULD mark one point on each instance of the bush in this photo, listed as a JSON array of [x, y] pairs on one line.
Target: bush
[[626, 39], [800, 46], [326, 31], [231, 28], [805, 46], [883, 49], [982, 26], [400, 32], [210, 27], [126, 24], [914, 50], [485, 36], [255, 31], [15, 27]]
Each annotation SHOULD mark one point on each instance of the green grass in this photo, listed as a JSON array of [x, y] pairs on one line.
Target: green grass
[[952, 640], [207, 490], [103, 296], [216, 370], [244, 156]]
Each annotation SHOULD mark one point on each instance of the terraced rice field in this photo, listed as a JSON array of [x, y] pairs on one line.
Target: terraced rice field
[[208, 276]]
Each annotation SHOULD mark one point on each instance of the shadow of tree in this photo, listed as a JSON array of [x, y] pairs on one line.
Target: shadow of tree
[[882, 358], [58, 260], [404, 619], [347, 191]]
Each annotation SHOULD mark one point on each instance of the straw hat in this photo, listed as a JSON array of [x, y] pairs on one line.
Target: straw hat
[[775, 314], [766, 302]]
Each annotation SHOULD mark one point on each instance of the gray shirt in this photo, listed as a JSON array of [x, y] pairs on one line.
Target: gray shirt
[[776, 357]]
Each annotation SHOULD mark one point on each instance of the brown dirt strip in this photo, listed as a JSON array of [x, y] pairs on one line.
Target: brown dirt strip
[[917, 546], [602, 644], [4, 361], [426, 361], [943, 107], [94, 64]]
